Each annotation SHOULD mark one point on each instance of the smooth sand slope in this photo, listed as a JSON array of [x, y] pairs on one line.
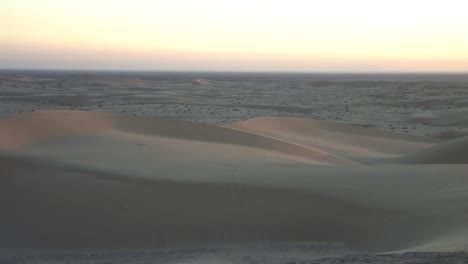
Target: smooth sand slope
[[344, 140], [100, 180]]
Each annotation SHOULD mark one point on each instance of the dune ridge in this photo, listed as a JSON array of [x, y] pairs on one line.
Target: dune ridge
[[451, 152], [74, 179], [348, 141], [32, 128]]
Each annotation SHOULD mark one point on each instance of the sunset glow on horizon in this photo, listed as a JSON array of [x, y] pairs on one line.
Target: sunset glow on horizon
[[242, 35]]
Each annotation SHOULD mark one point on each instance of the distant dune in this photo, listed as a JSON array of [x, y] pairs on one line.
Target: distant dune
[[17, 78], [92, 80], [76, 180]]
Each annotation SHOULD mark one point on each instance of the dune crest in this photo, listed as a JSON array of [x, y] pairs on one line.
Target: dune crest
[[452, 152], [349, 141], [32, 128]]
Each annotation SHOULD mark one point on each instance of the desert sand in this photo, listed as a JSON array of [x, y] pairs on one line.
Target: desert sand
[[112, 169]]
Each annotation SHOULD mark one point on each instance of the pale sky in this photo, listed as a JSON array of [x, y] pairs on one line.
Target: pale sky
[[235, 35]]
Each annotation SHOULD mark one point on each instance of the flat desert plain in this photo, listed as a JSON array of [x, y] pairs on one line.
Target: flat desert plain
[[109, 167]]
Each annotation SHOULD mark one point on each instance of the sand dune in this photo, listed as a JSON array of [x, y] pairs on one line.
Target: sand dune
[[452, 134], [445, 119], [33, 128], [451, 152], [348, 141], [92, 80], [74, 179], [18, 78]]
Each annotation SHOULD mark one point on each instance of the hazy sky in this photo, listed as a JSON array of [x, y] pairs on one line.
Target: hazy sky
[[237, 35]]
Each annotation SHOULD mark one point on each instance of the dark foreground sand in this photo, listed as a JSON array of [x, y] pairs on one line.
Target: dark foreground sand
[[265, 255], [96, 187]]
